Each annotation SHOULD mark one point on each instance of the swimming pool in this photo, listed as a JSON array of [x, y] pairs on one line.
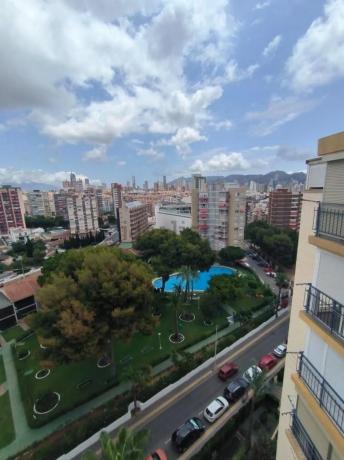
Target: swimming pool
[[200, 283]]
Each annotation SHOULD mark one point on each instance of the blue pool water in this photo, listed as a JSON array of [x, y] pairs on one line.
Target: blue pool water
[[200, 283]]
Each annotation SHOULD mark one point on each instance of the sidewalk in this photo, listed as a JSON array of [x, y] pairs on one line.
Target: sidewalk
[[25, 436]]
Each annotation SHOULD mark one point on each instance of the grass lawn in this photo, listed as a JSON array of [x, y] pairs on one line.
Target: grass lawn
[[12, 333], [138, 350], [6, 422], [2, 370]]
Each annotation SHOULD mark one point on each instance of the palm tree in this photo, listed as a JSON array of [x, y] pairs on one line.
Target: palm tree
[[186, 275], [257, 386], [281, 282], [139, 377], [126, 446], [175, 304]]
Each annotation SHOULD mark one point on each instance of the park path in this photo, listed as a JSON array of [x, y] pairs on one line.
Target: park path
[[25, 435]]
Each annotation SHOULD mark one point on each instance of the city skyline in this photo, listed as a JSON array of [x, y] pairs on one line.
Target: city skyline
[[157, 89]]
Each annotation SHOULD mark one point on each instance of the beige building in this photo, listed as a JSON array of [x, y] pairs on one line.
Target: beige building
[[218, 212], [133, 218], [82, 213], [40, 203], [312, 406]]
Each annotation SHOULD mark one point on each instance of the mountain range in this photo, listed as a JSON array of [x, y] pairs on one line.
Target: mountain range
[[278, 177]]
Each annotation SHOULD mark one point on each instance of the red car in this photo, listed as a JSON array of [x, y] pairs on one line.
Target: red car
[[227, 370], [267, 362], [158, 454], [267, 269]]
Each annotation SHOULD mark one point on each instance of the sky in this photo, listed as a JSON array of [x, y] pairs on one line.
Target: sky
[[112, 89]]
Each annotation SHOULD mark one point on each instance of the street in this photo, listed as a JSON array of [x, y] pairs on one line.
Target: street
[[163, 417]]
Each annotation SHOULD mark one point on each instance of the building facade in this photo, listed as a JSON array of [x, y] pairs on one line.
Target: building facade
[[174, 217], [133, 218], [312, 406], [60, 202], [40, 203], [285, 209], [218, 213], [12, 211], [82, 214]]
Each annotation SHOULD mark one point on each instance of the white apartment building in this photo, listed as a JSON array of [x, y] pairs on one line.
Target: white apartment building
[[82, 213], [40, 203], [219, 212], [175, 217], [312, 406]]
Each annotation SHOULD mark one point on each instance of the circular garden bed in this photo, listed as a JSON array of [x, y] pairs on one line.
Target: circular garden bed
[[42, 374], [104, 361], [176, 338], [47, 403], [187, 317], [208, 323], [23, 354], [42, 346]]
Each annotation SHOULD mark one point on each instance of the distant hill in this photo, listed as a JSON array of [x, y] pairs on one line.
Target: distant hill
[[278, 177]]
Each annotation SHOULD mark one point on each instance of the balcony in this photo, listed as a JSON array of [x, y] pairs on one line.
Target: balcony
[[328, 399], [329, 222], [308, 448], [325, 310]]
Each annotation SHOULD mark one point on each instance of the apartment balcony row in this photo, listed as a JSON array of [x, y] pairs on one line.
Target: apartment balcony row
[[329, 228], [304, 441], [326, 311], [325, 395]]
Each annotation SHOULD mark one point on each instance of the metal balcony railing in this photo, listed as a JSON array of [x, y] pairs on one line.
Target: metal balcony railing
[[326, 310], [302, 437], [328, 399], [329, 221]]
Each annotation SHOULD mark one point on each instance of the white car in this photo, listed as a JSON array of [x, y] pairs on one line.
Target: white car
[[215, 409], [280, 351], [252, 373]]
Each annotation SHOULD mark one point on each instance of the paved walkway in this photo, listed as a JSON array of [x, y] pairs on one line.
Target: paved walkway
[[25, 436]]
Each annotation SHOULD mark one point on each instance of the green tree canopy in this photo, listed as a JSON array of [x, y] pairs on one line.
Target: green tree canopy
[[279, 245], [230, 254], [90, 296], [226, 288], [168, 251]]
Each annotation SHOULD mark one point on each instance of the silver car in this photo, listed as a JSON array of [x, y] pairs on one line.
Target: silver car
[[280, 351]]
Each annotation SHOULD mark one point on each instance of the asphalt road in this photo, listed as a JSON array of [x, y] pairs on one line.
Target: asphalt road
[[193, 404], [162, 418]]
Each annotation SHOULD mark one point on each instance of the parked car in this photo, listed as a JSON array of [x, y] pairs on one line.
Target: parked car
[[158, 454], [235, 389], [280, 351], [227, 370], [271, 274], [267, 362], [187, 434], [252, 373], [284, 302], [268, 269], [215, 409]]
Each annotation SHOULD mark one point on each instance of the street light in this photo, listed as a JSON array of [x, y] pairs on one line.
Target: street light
[[215, 348], [159, 336]]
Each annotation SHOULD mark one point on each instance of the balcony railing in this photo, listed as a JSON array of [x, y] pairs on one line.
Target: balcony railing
[[328, 399], [302, 437], [326, 310], [329, 221]]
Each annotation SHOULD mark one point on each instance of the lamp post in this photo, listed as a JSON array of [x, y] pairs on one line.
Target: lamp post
[[159, 336], [215, 348]]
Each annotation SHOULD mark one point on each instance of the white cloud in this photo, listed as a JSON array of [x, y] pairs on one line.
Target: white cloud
[[20, 176], [281, 152], [121, 163], [96, 154], [271, 47], [224, 124], [262, 5], [184, 137], [279, 112], [221, 162], [233, 73], [54, 51], [318, 56], [150, 153]]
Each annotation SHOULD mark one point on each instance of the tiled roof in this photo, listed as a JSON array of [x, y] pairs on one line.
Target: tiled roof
[[21, 288]]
